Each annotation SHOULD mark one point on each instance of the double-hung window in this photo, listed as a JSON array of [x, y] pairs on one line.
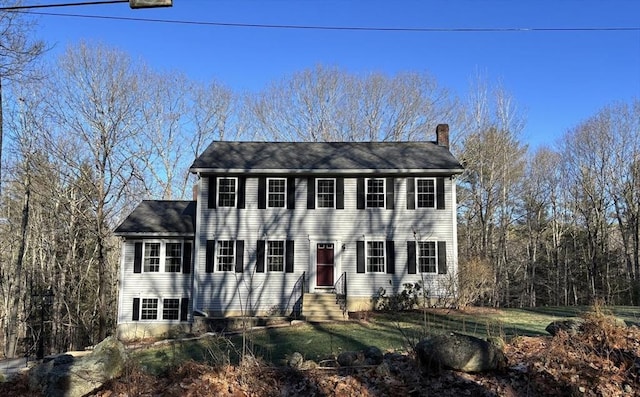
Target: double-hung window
[[152, 257], [149, 309], [173, 257], [227, 192], [425, 192], [375, 257], [170, 309], [427, 257], [275, 256], [375, 192], [159, 257], [326, 191], [277, 192], [226, 257]]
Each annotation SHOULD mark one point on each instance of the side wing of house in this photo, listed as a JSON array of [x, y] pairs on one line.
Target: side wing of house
[[156, 264]]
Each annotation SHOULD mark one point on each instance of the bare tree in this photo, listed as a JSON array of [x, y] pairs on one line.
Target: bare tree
[[328, 104], [17, 51], [97, 107], [494, 160]]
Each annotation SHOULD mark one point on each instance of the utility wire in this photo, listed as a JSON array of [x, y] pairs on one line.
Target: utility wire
[[84, 3], [343, 28]]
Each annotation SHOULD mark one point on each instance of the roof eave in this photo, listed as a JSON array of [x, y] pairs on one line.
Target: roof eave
[[139, 235], [438, 171]]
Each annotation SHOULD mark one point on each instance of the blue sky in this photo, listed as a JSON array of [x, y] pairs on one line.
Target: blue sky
[[558, 78]]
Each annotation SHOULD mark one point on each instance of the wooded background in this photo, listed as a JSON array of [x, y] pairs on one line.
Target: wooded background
[[89, 135]]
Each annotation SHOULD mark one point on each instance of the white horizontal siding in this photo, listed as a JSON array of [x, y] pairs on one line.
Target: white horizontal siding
[[234, 291], [158, 285]]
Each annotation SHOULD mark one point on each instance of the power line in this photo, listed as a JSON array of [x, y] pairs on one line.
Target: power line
[[342, 28], [84, 3]]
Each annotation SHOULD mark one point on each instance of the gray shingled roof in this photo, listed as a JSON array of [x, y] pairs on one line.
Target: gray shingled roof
[[160, 217], [325, 156]]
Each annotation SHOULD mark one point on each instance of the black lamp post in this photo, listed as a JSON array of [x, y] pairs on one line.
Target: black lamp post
[[47, 300]]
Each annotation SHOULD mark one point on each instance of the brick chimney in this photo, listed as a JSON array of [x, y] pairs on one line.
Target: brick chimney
[[442, 135]]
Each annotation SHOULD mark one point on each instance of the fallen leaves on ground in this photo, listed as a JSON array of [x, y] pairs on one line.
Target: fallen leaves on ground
[[602, 360]]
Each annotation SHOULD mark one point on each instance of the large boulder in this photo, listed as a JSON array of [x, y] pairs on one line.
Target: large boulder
[[69, 376], [459, 352]]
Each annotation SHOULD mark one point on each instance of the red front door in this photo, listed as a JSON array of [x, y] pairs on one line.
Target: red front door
[[325, 263]]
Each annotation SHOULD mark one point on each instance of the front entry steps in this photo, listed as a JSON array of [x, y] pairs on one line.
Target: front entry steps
[[322, 307]]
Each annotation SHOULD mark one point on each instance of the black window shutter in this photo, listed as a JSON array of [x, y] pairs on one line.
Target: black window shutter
[[311, 193], [390, 193], [137, 258], [442, 257], [360, 193], [184, 309], [411, 194], [136, 309], [391, 257], [440, 193], [288, 264], [340, 193], [291, 193], [211, 252], [239, 256], [213, 199], [411, 257], [260, 257], [360, 256], [186, 257], [262, 193], [241, 187]]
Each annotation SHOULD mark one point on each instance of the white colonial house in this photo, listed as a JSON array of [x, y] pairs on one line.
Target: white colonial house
[[277, 225]]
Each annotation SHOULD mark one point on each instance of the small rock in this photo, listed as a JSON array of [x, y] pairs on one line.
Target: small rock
[[296, 360], [373, 355], [383, 370], [347, 359]]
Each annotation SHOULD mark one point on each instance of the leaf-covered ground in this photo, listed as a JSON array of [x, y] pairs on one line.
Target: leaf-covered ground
[[602, 360]]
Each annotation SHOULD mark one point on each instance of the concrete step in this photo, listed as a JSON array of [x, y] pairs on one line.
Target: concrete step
[[321, 307]]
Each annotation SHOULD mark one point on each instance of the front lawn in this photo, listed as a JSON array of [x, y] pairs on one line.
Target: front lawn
[[387, 331]]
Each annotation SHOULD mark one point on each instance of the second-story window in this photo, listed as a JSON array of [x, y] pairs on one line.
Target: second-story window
[[375, 193], [227, 188], [152, 257], [173, 257], [326, 191], [277, 190], [425, 192]]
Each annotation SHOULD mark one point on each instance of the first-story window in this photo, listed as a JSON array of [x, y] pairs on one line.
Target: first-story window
[[227, 192], [427, 258], [375, 193], [170, 309], [173, 257], [152, 257], [149, 309], [277, 190], [226, 257], [275, 256], [375, 257]]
